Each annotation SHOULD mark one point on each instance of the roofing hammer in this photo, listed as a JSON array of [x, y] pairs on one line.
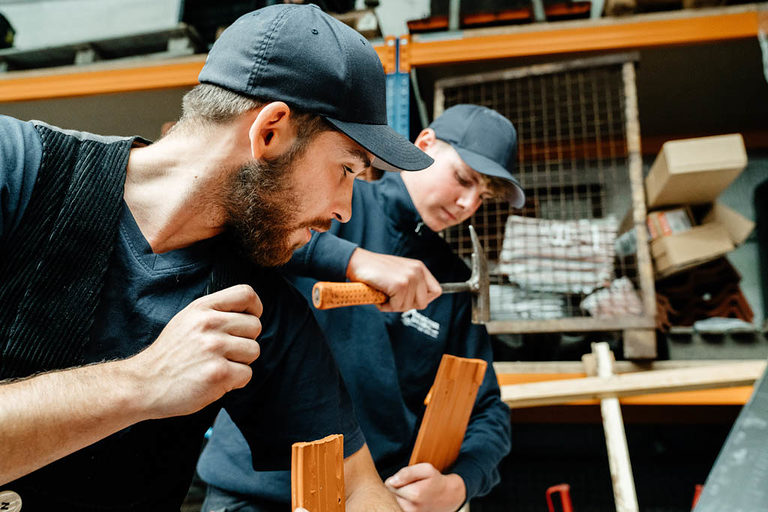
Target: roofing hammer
[[326, 295]]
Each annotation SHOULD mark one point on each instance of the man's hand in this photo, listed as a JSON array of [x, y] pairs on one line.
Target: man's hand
[[422, 488], [202, 353], [407, 282]]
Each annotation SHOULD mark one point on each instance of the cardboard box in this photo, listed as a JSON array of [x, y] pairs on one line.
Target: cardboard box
[[720, 231], [738, 226], [694, 171], [669, 222]]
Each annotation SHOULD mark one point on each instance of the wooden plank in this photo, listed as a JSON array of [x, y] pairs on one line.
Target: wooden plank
[[523, 372], [513, 370], [632, 384], [639, 343], [547, 68], [580, 324], [317, 475], [625, 497], [449, 406], [737, 395]]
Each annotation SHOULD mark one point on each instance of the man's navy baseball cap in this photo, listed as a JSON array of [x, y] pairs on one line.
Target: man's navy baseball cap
[[485, 140], [313, 62]]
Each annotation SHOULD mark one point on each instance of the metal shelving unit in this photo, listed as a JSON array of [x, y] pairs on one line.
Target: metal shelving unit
[[84, 87], [605, 34], [688, 26]]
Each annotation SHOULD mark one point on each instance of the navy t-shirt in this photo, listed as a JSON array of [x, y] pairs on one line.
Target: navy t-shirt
[[388, 360], [295, 393]]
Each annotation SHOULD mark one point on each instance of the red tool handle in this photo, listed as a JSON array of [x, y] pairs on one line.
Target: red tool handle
[[565, 497], [696, 494], [327, 295]]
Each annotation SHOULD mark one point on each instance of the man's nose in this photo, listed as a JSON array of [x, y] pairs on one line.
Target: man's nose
[[342, 208], [469, 199]]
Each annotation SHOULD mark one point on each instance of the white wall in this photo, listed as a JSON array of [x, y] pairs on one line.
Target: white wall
[[42, 23], [393, 14]]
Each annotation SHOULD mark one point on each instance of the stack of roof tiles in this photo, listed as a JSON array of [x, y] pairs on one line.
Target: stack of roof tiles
[[705, 291]]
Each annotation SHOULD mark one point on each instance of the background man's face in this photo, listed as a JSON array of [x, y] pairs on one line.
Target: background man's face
[[449, 191]]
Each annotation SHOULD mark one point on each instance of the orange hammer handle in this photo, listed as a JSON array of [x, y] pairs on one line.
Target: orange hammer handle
[[327, 295]]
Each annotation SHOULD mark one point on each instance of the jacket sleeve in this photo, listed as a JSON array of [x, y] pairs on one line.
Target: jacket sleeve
[[487, 439], [325, 257]]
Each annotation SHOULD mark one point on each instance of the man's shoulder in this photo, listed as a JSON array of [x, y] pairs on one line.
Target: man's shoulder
[[20, 145], [8, 121], [80, 135], [20, 155], [16, 136]]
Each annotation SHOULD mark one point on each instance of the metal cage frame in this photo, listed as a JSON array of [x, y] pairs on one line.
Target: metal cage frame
[[644, 323]]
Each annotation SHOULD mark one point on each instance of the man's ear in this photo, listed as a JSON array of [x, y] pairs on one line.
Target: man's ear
[[271, 132], [425, 139]]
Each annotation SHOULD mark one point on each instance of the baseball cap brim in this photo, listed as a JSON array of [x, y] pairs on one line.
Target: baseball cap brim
[[485, 165], [392, 151]]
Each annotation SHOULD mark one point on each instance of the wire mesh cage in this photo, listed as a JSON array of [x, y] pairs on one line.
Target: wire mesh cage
[[558, 263]]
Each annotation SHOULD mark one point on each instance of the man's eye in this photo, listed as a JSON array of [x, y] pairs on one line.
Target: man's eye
[[347, 170], [462, 181]]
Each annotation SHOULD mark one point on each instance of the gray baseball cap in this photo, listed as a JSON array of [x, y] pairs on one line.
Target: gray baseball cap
[[302, 56], [485, 140]]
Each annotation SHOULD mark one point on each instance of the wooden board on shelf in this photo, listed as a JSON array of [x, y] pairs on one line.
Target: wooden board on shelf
[[584, 390], [516, 372]]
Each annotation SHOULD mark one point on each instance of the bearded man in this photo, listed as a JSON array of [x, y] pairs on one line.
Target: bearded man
[[132, 310]]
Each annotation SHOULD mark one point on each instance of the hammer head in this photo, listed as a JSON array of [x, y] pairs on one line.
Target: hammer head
[[479, 282]]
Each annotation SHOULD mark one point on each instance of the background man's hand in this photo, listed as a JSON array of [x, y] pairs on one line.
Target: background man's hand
[[407, 282], [202, 353], [422, 488]]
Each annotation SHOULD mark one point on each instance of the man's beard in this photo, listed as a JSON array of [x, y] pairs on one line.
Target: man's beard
[[262, 210]]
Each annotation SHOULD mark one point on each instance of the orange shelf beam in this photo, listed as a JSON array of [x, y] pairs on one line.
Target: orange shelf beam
[[738, 395], [598, 35], [29, 85], [105, 78]]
